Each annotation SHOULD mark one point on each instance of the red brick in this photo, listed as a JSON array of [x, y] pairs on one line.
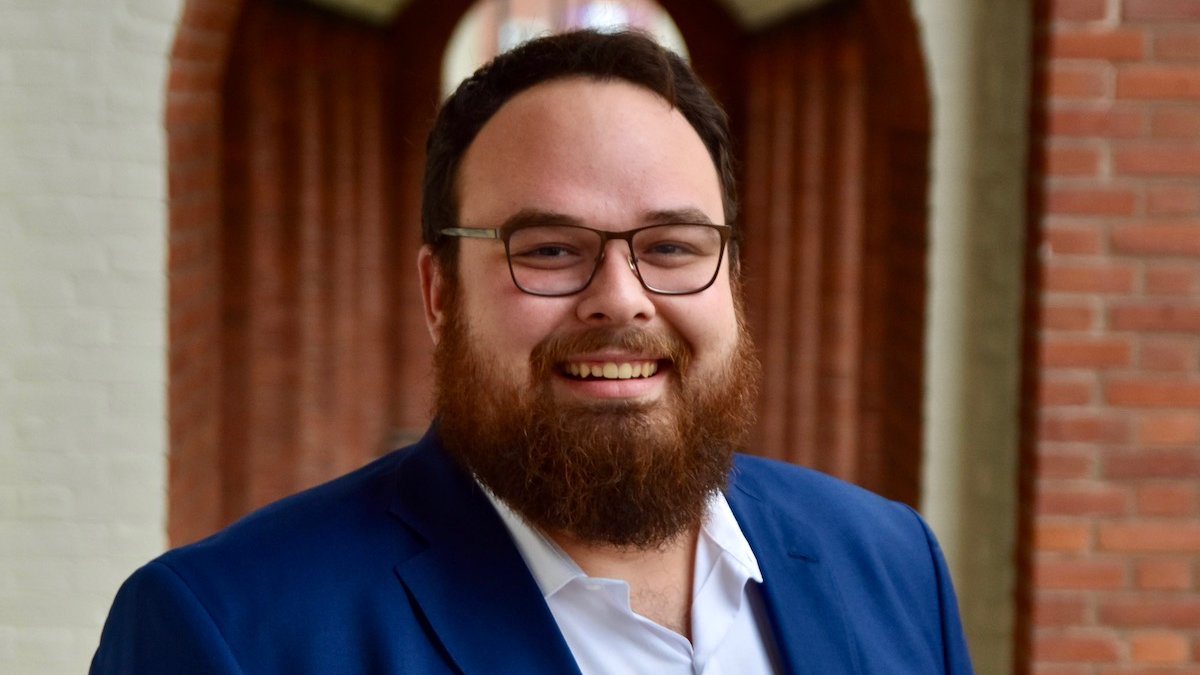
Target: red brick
[[1090, 201], [1153, 392], [1087, 122], [1169, 428], [1150, 537], [1071, 160], [1083, 427], [1163, 574], [193, 77], [193, 46], [1086, 648], [1077, 10], [1064, 392], [188, 110], [1058, 610], [1173, 200], [1157, 82], [1160, 10], [1181, 44], [1167, 497], [1085, 353], [191, 247], [1082, 501], [188, 285], [1060, 316], [1159, 647], [1137, 610], [1079, 575], [194, 184], [1168, 239], [192, 145], [1072, 238], [1174, 316], [1166, 464], [1157, 159], [1182, 122], [1064, 463], [1167, 279], [1110, 45], [1062, 537], [1081, 278], [1168, 355], [1075, 81]]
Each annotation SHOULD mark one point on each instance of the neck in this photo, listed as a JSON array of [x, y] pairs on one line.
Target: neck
[[659, 578]]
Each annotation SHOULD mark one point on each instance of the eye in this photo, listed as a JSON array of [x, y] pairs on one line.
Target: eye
[[669, 248], [551, 247], [546, 251]]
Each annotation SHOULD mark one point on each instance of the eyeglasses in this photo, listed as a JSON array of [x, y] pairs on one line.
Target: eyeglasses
[[556, 260]]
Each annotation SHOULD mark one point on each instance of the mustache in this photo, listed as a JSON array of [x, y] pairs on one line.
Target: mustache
[[558, 348]]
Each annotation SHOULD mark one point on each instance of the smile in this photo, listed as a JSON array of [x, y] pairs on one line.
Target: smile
[[611, 370]]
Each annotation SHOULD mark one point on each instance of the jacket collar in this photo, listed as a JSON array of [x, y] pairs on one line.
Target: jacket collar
[[468, 579], [479, 597], [804, 606]]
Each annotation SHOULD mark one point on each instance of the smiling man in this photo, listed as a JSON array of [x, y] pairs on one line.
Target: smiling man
[[577, 505]]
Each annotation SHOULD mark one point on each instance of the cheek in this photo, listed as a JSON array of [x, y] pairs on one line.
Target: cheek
[[506, 322]]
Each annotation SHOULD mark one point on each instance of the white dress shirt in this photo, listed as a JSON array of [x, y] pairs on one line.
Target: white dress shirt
[[730, 633]]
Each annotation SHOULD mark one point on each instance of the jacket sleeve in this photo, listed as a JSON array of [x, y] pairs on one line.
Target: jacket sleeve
[[956, 657], [157, 625]]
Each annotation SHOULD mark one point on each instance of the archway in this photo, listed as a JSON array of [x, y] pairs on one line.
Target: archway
[[296, 334]]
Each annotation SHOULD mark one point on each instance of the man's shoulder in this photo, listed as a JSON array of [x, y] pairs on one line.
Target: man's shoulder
[[321, 528], [789, 484], [824, 509]]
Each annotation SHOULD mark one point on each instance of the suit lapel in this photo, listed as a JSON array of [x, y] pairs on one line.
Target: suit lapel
[[805, 609], [470, 581]]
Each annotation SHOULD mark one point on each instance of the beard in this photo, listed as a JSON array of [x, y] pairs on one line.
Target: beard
[[619, 473]]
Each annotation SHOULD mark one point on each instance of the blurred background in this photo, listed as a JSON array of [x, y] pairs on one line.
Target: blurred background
[[972, 256]]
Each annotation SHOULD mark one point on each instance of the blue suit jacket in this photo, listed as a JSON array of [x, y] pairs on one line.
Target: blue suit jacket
[[404, 567]]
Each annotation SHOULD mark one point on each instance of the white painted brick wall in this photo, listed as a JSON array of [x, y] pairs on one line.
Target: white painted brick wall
[[82, 317]]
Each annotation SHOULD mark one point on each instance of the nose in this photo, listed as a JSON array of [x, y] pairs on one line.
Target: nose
[[615, 296]]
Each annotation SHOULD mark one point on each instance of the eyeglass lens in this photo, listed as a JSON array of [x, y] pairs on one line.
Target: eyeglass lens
[[561, 259]]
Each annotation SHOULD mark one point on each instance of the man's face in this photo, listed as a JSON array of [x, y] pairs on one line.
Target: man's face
[[611, 156]]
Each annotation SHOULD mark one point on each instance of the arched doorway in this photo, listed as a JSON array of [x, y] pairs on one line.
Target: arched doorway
[[296, 149]]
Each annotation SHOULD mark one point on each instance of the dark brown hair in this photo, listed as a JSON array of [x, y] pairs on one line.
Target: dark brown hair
[[627, 55]]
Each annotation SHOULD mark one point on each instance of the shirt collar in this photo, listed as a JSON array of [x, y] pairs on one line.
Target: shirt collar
[[553, 569]]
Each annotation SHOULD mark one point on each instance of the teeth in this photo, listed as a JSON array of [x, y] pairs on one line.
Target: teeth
[[612, 370]]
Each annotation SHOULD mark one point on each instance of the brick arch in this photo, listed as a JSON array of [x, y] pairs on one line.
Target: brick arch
[[271, 376], [290, 362], [283, 311], [193, 126]]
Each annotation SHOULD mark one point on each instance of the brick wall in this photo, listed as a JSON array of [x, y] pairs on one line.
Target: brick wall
[[82, 317], [1116, 196]]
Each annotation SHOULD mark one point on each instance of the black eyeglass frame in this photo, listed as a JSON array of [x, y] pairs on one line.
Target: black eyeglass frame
[[505, 234]]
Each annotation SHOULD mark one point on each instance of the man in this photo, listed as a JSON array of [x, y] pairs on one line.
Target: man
[[576, 506]]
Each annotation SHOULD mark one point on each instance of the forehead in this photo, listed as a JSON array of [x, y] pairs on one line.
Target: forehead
[[587, 148]]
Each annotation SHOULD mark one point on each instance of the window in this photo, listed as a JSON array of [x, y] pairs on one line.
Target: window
[[491, 27]]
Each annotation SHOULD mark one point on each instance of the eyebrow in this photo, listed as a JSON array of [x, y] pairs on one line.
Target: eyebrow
[[527, 217]]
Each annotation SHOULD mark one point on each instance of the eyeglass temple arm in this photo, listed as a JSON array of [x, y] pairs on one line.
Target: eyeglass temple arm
[[470, 232]]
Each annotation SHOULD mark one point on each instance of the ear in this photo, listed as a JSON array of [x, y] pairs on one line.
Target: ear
[[433, 288]]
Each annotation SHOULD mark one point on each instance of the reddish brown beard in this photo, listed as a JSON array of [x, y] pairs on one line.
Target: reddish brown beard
[[622, 474]]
